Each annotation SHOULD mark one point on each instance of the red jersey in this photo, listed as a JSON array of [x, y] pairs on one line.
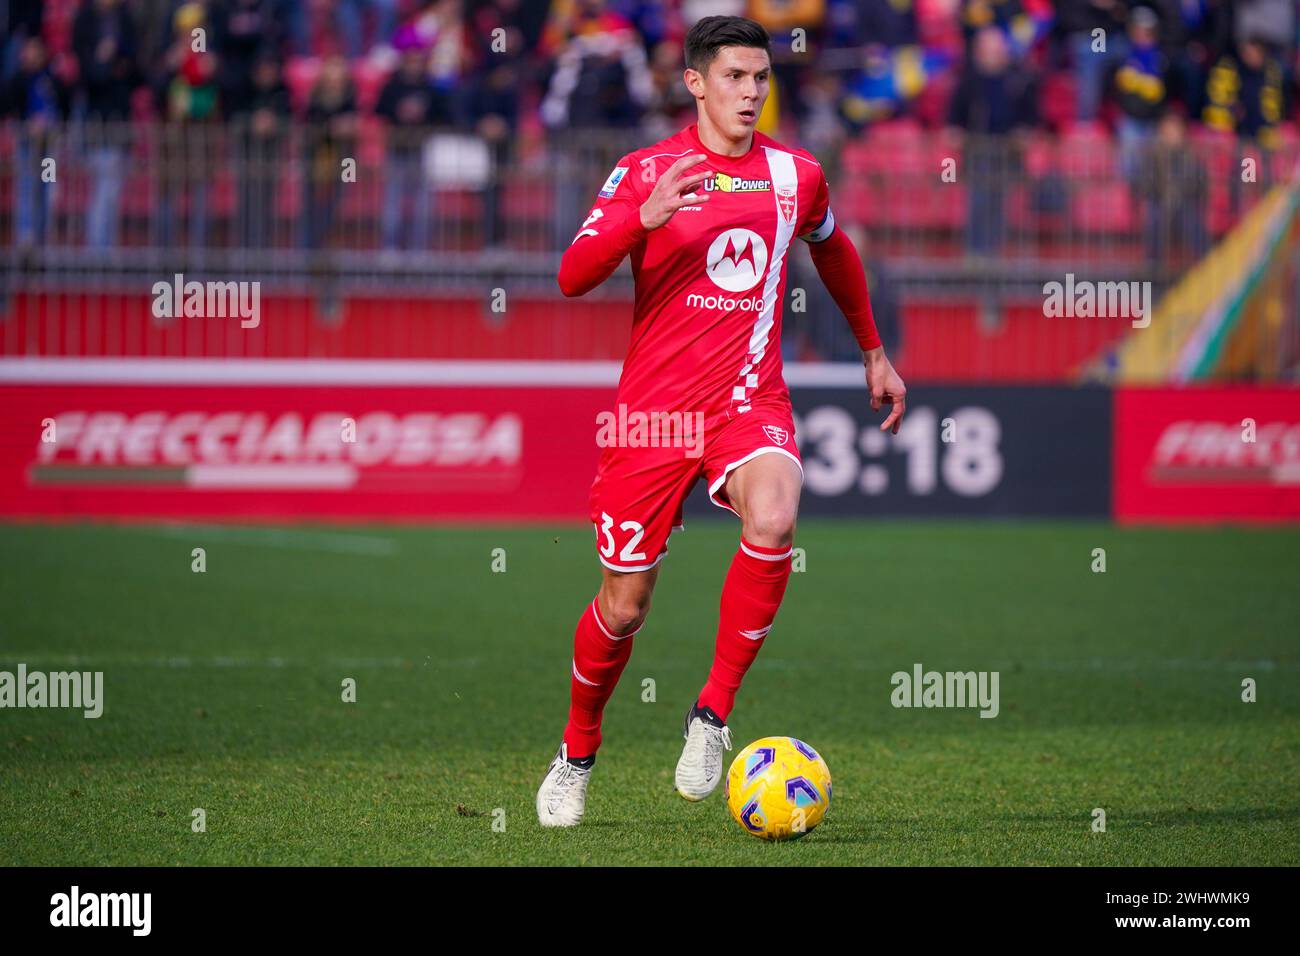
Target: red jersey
[[706, 332]]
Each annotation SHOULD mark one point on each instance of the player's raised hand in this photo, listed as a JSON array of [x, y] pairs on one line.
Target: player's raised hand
[[887, 388], [673, 190]]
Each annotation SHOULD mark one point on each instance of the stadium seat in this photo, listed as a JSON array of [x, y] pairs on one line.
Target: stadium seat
[[370, 78], [300, 74], [1088, 152], [1102, 207]]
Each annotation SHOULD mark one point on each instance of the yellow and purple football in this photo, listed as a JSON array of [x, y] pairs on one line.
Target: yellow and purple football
[[778, 788]]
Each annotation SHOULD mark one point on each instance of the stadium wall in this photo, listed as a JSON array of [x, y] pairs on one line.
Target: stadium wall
[[424, 440]]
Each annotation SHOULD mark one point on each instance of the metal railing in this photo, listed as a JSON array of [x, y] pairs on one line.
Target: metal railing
[[286, 188], [324, 214]]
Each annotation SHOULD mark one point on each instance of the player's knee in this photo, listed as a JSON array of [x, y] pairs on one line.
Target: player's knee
[[771, 526], [625, 612]]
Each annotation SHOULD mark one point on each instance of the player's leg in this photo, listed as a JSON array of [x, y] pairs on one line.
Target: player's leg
[[754, 471], [602, 645], [636, 504], [765, 492]]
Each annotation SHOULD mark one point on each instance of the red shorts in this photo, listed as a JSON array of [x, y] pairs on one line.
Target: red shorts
[[637, 497]]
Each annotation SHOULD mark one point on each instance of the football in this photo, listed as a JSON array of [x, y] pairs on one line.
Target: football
[[778, 788]]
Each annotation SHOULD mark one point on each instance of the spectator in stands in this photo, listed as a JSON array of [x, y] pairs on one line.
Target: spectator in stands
[[242, 31], [154, 29], [260, 124], [823, 131], [330, 139], [499, 69], [294, 21], [35, 97], [104, 41], [657, 21], [1171, 181], [187, 92], [1271, 23], [1094, 54], [409, 105], [600, 81], [1024, 22], [323, 27], [1194, 35], [995, 98], [441, 25], [1263, 91], [891, 23], [794, 26], [671, 105], [494, 87], [523, 21], [888, 83], [601, 77], [1247, 93], [1140, 88], [365, 24], [22, 23]]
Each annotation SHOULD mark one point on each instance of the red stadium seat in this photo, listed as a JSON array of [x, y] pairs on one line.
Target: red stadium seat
[[370, 78], [299, 76], [1040, 155], [1105, 207], [221, 198], [524, 199], [288, 193], [1088, 152]]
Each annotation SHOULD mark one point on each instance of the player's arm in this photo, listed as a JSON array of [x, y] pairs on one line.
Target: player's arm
[[620, 219], [840, 267]]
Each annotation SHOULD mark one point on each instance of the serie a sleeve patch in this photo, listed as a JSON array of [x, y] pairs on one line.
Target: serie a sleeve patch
[[611, 184]]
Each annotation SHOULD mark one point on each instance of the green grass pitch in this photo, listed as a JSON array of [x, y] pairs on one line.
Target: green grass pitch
[[1119, 690]]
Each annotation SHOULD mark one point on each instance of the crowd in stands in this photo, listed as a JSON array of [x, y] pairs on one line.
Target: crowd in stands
[[506, 72]]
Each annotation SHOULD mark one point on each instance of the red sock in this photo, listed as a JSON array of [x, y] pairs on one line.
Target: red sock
[[598, 661], [750, 598]]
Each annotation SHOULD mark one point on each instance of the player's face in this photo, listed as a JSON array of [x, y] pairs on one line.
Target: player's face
[[733, 89]]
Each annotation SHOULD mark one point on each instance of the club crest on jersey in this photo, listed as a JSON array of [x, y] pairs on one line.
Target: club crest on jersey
[[612, 182], [778, 434], [736, 259], [786, 202]]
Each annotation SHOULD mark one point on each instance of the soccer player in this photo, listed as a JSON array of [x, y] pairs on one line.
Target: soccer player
[[707, 216]]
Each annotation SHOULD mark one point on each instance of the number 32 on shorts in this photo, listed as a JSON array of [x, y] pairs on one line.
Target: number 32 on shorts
[[629, 552]]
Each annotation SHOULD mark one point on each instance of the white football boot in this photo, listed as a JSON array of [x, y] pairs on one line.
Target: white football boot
[[699, 771], [562, 797]]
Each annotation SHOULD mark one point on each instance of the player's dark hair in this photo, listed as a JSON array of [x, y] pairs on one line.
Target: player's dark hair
[[711, 34]]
